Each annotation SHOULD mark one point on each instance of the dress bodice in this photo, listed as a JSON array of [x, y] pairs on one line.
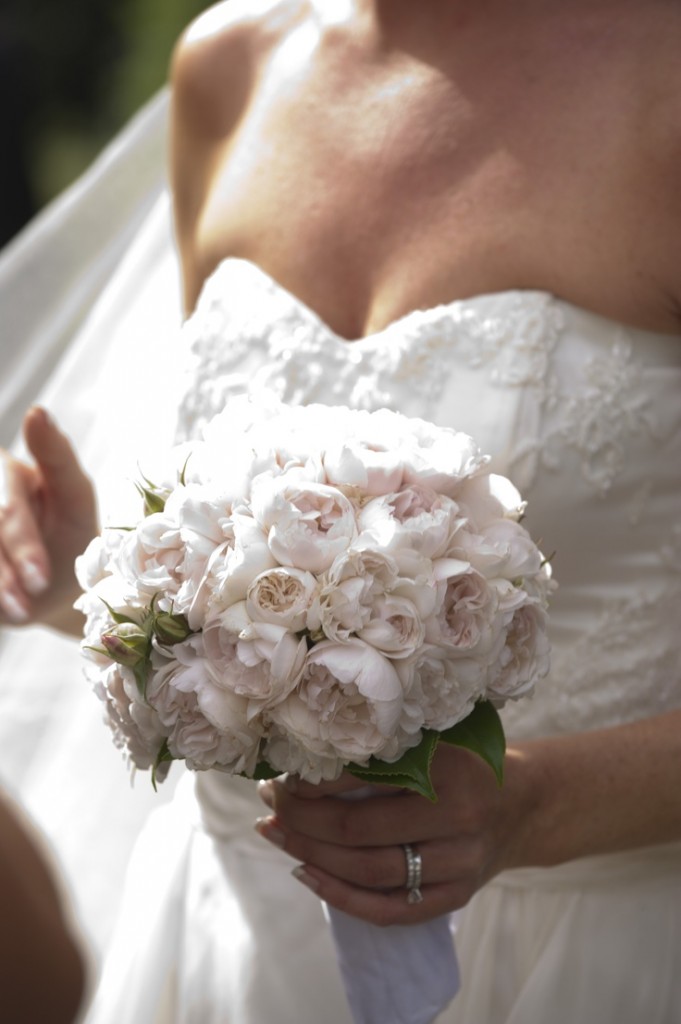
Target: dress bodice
[[583, 414]]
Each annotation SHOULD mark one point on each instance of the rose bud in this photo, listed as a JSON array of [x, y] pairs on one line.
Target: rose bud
[[170, 629], [127, 644]]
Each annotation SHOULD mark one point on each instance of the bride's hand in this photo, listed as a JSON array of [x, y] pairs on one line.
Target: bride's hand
[[353, 853], [47, 517]]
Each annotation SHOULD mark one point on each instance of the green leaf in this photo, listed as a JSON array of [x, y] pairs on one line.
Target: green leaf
[[483, 734], [161, 758], [118, 617], [264, 771], [141, 674], [411, 771], [183, 473], [170, 629], [154, 501]]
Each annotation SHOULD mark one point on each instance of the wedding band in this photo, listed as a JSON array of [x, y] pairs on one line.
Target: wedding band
[[414, 874]]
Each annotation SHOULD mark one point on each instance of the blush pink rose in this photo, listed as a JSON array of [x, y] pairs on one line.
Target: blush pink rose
[[345, 708], [308, 524]]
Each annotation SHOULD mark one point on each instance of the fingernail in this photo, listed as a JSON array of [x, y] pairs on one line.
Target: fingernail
[[14, 611], [41, 412], [303, 876], [34, 578], [291, 783], [266, 793], [270, 832]]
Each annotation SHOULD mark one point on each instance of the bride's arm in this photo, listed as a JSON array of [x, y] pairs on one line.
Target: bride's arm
[[211, 77], [48, 516], [563, 798], [42, 974]]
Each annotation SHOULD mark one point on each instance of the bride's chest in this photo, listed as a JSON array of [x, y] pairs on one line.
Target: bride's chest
[[370, 201]]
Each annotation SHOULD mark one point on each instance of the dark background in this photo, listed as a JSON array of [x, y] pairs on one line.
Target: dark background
[[72, 72]]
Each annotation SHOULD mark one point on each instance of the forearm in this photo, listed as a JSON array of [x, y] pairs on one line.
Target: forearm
[[35, 941], [594, 792], [563, 798]]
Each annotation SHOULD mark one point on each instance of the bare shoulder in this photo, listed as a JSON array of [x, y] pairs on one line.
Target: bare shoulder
[[639, 112], [215, 68], [660, 145], [218, 54]]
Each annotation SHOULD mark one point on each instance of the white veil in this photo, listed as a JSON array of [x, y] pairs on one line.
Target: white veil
[[89, 313]]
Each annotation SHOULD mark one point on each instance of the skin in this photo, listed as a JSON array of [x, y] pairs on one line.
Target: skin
[[35, 938], [380, 156]]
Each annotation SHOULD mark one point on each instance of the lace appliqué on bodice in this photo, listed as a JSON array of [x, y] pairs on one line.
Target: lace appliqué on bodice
[[252, 335], [583, 414]]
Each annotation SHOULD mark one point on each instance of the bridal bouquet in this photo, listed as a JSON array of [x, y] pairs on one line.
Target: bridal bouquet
[[313, 589]]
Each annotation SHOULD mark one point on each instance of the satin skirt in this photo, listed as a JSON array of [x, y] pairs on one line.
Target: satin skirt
[[214, 930]]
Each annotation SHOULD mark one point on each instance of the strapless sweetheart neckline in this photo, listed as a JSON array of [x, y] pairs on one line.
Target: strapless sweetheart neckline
[[431, 314]]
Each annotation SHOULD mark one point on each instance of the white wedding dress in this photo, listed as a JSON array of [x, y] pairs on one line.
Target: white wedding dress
[[585, 416]]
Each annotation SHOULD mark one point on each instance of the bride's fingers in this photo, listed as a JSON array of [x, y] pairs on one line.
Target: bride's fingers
[[24, 561], [313, 791], [398, 817], [14, 604], [68, 485], [383, 908], [379, 867]]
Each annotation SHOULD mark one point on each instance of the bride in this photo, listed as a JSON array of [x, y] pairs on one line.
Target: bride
[[466, 213]]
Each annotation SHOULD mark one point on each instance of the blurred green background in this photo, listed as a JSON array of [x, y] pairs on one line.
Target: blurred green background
[[72, 72]]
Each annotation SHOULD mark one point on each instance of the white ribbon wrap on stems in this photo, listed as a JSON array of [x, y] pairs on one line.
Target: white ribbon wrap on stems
[[401, 974]]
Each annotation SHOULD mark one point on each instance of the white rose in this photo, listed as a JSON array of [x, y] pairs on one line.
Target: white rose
[[221, 634], [207, 531], [524, 658], [467, 618], [202, 512], [275, 658], [487, 497], [197, 589], [510, 550], [540, 587], [345, 607], [258, 661], [229, 458], [95, 562], [207, 723], [370, 468], [235, 752], [439, 458], [269, 432], [135, 725], [309, 524], [286, 753], [439, 689], [112, 591], [149, 558], [366, 561], [238, 564], [395, 627], [415, 517], [349, 588], [346, 706], [190, 671], [286, 597]]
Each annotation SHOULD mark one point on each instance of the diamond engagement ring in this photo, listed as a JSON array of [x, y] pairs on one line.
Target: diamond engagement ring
[[414, 874]]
